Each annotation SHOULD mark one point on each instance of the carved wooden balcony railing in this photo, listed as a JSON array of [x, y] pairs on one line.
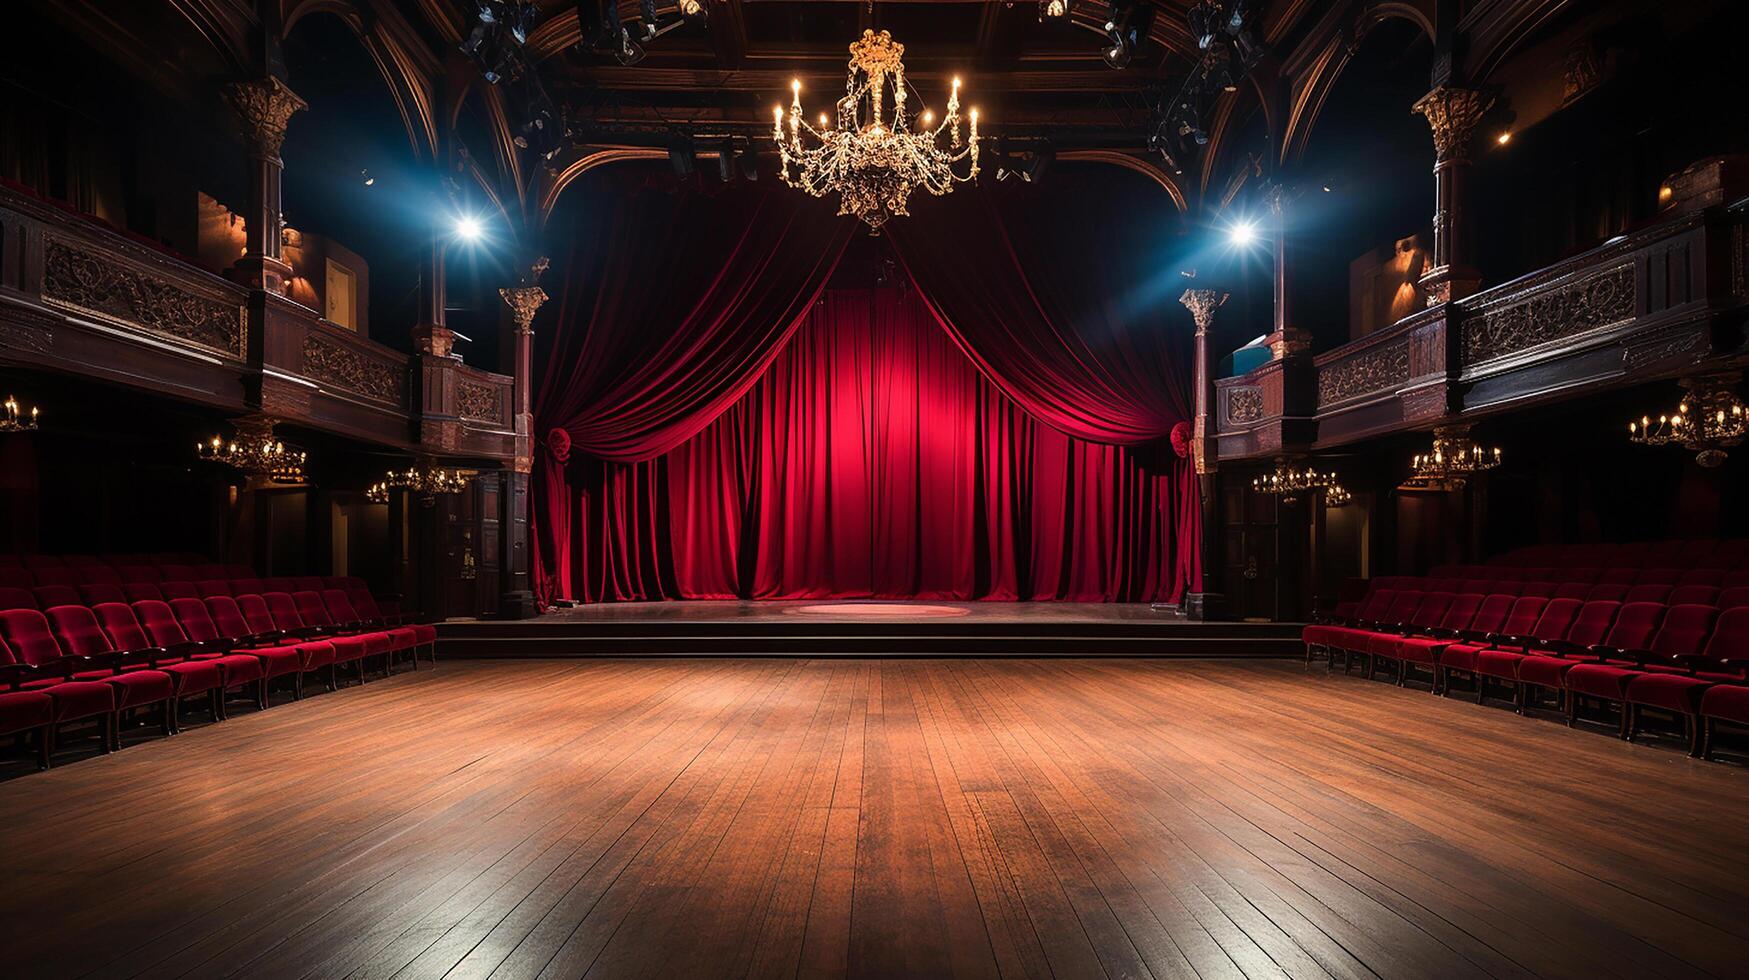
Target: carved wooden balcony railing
[[1653, 304], [80, 298]]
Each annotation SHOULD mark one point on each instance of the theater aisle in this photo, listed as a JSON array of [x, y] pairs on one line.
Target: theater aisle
[[877, 819]]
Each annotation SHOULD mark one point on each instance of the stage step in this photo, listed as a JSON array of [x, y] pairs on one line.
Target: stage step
[[930, 638]]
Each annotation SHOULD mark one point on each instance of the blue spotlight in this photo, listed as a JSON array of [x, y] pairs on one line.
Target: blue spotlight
[[469, 228], [1242, 234]]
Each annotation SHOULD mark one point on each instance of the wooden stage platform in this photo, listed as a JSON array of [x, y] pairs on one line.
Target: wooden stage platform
[[882, 819], [869, 628]]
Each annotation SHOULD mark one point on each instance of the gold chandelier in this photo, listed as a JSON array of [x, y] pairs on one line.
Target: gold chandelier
[[1336, 496], [15, 420], [1289, 483], [1451, 461], [422, 478], [874, 163], [256, 452], [1709, 419]]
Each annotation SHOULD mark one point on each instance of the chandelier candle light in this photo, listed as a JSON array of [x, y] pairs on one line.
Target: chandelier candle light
[[1709, 419], [256, 452], [1289, 482], [15, 420], [422, 478], [872, 162], [1453, 458]]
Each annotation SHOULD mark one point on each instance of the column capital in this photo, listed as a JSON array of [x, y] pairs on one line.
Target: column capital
[[525, 299], [266, 106], [1453, 113], [1202, 304]]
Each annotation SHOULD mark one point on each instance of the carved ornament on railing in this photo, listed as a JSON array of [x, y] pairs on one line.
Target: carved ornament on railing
[[1244, 405], [335, 364], [105, 286], [478, 402], [1382, 368], [1601, 299]]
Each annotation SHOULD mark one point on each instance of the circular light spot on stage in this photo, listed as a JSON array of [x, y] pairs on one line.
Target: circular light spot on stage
[[879, 610]]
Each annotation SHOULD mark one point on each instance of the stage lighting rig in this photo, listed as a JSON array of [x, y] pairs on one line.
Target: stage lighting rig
[[1225, 34], [1126, 28], [500, 30], [604, 32]]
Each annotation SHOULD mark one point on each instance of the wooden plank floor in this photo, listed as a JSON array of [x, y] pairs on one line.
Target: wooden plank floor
[[878, 819]]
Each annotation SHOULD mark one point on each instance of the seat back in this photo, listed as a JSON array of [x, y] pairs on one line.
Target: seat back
[[27, 634], [1636, 623], [138, 573], [135, 591], [366, 604], [1694, 595], [256, 614], [16, 599], [98, 592], [310, 608], [177, 573], [1573, 590], [178, 589], [1373, 607], [15, 578], [49, 596], [212, 586], [1730, 639], [1523, 618], [76, 629], [246, 586], [98, 575], [1607, 592], [1461, 612], [1618, 575], [339, 606], [307, 583], [1648, 592], [277, 585], [1402, 608], [227, 617], [195, 620], [1557, 619], [1685, 630], [56, 575], [1540, 590], [1734, 597], [1593, 623], [1493, 612], [159, 621], [284, 610], [122, 626]]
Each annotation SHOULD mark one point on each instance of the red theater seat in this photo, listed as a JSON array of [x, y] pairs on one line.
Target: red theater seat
[[424, 634], [135, 683], [15, 578], [1424, 649], [1546, 665], [1681, 634], [11, 598], [240, 670], [1520, 621], [212, 586], [27, 711], [317, 654], [177, 589], [37, 663], [350, 643], [138, 573], [93, 594], [277, 659], [49, 596], [151, 624]]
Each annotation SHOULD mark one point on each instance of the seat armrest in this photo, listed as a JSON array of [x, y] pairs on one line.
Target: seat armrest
[[146, 655]]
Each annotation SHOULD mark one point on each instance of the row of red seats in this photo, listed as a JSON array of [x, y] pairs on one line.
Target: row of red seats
[[89, 594], [1689, 659], [1585, 575], [1681, 554], [106, 661], [1665, 592]]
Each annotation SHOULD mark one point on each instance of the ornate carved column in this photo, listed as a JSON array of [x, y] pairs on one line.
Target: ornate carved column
[[524, 301], [1453, 113], [1206, 602], [265, 106]]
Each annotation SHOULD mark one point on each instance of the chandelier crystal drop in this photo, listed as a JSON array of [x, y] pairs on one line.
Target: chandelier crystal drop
[[871, 159], [256, 452], [1451, 461], [1709, 419], [1289, 482], [16, 419]]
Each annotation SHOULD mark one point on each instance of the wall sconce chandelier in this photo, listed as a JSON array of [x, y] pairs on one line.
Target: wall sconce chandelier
[[15, 419], [1452, 460], [1336, 496], [1709, 419], [421, 478], [871, 162], [1289, 483], [256, 452]]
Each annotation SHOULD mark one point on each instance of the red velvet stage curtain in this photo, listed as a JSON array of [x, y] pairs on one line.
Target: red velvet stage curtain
[[1008, 481], [674, 302], [873, 459]]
